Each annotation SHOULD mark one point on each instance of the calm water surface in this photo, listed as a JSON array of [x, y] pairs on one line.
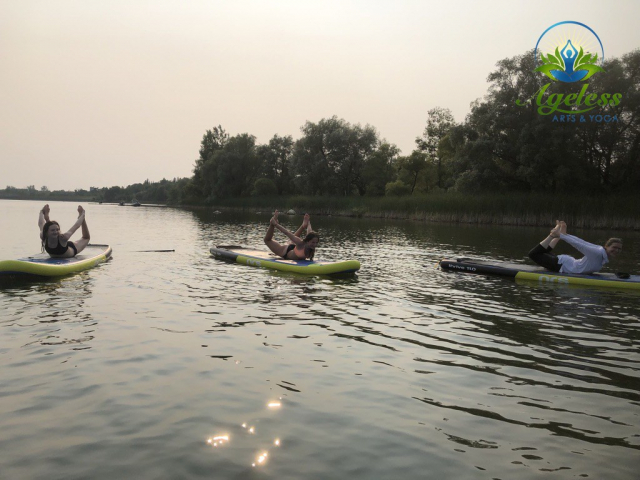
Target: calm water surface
[[400, 372]]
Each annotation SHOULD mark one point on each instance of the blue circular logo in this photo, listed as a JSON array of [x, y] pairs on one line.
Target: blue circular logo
[[569, 52]]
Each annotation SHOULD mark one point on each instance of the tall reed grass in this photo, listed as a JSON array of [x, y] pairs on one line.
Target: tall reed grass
[[612, 212]]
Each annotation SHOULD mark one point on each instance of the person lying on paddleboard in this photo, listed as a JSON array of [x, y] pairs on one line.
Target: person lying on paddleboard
[[595, 256], [299, 248], [57, 244]]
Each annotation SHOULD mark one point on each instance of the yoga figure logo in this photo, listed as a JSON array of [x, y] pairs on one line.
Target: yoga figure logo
[[569, 52]]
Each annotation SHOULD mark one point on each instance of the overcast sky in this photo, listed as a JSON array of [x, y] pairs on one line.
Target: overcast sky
[[103, 93]]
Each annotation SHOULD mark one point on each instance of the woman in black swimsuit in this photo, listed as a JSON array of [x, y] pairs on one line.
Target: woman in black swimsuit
[[299, 248], [57, 244]]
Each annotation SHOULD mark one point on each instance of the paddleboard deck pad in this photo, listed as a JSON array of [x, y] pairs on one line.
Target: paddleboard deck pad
[[539, 274], [42, 265], [263, 259]]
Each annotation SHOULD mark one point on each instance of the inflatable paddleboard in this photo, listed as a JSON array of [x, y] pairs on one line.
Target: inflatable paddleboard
[[42, 265], [539, 274], [260, 258]]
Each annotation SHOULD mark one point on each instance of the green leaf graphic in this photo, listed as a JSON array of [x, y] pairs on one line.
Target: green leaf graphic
[[546, 69], [560, 59], [580, 57], [587, 59], [553, 60], [592, 69]]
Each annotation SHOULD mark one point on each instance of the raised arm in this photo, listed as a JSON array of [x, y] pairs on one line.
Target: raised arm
[[76, 225], [298, 232], [306, 223], [582, 246], [297, 240]]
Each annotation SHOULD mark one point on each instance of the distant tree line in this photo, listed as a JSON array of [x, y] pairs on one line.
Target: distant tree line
[[164, 191], [505, 144], [43, 193]]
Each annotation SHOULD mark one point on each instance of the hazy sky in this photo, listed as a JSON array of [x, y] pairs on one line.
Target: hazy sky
[[103, 93]]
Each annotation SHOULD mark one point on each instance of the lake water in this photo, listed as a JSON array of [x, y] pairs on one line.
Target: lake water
[[402, 371]]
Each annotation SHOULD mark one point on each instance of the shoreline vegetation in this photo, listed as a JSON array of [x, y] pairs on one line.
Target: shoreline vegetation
[[518, 209], [617, 213], [512, 161]]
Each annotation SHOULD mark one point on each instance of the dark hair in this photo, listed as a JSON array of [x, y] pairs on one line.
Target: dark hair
[[310, 236], [45, 230]]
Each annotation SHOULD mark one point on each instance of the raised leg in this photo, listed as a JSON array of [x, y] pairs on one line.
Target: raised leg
[[84, 241], [541, 253], [274, 246], [561, 227], [305, 226], [85, 231], [553, 238], [43, 218], [307, 222]]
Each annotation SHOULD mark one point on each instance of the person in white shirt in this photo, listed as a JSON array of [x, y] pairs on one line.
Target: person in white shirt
[[595, 256]]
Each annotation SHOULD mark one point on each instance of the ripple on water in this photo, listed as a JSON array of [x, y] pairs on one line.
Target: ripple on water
[[128, 369]]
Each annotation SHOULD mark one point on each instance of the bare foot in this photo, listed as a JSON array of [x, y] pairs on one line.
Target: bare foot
[[306, 220], [46, 209], [80, 210], [274, 219], [555, 232], [563, 227]]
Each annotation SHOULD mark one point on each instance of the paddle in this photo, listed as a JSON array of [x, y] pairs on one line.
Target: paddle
[[147, 251]]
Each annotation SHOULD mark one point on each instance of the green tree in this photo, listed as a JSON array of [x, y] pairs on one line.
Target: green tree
[[212, 141], [264, 186], [232, 170], [275, 159], [330, 156], [611, 149], [509, 146], [411, 169], [114, 194], [397, 189], [380, 169], [439, 122]]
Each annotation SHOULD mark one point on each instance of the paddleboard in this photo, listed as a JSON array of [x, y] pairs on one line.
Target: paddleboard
[[264, 259], [539, 274], [42, 265]]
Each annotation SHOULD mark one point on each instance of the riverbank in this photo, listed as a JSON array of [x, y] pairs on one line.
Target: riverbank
[[614, 212], [62, 196]]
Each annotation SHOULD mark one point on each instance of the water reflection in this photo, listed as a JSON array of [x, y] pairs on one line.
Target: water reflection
[[494, 352], [472, 377], [37, 311], [218, 440], [251, 439]]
